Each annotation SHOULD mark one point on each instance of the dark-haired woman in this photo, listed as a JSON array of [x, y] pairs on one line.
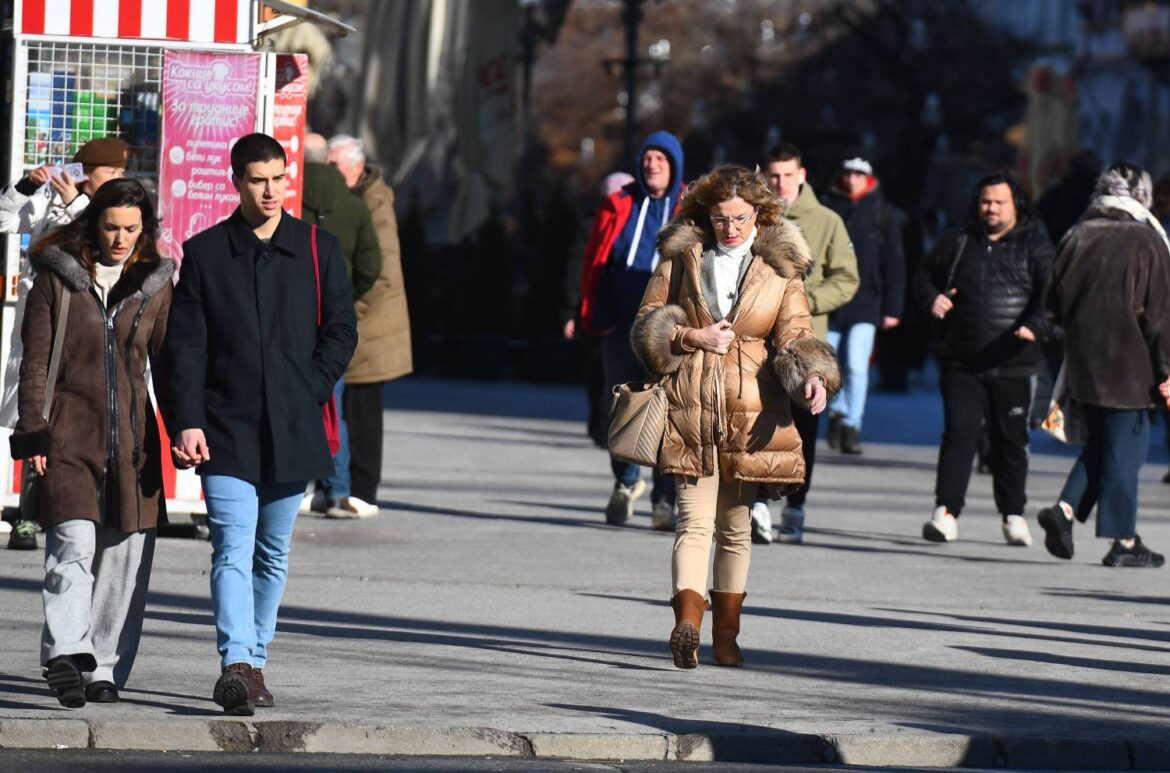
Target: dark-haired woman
[[725, 319], [97, 454]]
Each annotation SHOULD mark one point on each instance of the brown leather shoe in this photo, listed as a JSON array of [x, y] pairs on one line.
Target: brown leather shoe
[[263, 698], [688, 618], [725, 608], [234, 690]]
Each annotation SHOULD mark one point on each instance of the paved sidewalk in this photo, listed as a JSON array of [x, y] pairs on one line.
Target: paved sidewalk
[[490, 611]]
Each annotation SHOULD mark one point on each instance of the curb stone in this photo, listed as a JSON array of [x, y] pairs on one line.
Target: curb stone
[[600, 746], [44, 734], [775, 747]]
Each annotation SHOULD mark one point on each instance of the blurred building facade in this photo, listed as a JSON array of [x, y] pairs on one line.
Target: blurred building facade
[[1106, 64]]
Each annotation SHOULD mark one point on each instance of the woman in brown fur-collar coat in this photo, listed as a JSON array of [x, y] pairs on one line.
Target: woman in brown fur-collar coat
[[96, 450], [725, 320]]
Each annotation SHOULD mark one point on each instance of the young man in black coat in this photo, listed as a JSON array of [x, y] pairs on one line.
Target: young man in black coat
[[985, 283], [254, 346]]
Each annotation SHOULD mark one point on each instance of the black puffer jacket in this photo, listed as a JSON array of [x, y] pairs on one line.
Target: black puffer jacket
[[1000, 288], [875, 228]]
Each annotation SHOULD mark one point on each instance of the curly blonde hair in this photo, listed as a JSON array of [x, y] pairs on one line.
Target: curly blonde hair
[[723, 184]]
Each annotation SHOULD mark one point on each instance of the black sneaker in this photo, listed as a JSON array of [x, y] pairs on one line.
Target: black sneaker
[[64, 677], [850, 440], [1057, 531], [833, 434], [23, 536], [1139, 556]]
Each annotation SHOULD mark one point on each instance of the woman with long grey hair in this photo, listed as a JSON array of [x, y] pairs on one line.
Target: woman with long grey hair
[[1111, 292]]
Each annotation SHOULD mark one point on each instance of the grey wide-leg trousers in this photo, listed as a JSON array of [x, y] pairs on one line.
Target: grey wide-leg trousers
[[94, 594]]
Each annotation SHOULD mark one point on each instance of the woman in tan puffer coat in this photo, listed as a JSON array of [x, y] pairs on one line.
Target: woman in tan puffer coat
[[725, 321]]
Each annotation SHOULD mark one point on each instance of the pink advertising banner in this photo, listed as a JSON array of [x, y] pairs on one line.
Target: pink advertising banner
[[288, 122], [209, 100]]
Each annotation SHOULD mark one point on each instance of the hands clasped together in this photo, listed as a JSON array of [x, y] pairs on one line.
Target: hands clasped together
[[717, 339]]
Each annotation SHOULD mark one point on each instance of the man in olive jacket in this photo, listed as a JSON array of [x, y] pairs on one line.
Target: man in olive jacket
[[254, 347], [384, 351], [830, 284]]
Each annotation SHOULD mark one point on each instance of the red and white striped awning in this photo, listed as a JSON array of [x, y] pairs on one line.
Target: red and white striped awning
[[200, 21]]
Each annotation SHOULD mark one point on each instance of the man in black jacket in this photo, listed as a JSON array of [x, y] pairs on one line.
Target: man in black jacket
[[985, 282], [877, 241], [260, 331]]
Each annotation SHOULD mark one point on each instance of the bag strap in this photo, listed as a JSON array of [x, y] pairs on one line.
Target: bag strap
[[316, 270], [55, 353], [955, 265]]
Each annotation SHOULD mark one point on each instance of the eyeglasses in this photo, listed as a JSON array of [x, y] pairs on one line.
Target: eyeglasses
[[740, 221]]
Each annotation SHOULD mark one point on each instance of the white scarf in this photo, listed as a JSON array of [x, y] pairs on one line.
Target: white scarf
[[1136, 210], [727, 263]]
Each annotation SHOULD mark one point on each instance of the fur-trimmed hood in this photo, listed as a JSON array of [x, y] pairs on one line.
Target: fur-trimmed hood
[[150, 277], [782, 247]]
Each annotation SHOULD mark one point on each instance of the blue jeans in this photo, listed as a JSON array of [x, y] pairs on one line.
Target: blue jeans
[[854, 345], [338, 484], [251, 529], [1106, 472]]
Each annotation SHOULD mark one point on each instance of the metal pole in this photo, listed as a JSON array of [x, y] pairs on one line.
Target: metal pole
[[633, 19]]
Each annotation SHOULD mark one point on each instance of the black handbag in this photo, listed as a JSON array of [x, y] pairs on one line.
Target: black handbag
[[30, 482]]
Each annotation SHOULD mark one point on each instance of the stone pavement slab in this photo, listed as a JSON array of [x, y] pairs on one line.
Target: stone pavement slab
[[490, 610]]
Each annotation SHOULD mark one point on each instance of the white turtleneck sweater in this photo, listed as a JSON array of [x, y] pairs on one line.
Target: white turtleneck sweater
[[727, 262], [105, 277]]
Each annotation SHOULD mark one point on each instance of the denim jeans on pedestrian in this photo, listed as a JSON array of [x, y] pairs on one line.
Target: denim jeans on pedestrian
[[1106, 472], [854, 345], [338, 484], [620, 365], [251, 530]]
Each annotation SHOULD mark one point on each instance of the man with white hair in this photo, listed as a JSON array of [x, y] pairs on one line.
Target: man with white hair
[[1109, 290], [384, 351]]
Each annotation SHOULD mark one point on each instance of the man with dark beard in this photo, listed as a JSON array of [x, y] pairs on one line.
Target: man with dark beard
[[985, 283]]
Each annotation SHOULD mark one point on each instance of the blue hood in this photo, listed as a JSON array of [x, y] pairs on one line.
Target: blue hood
[[668, 144]]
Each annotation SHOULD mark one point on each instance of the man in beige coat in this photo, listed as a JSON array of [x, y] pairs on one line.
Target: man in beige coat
[[830, 284], [383, 351]]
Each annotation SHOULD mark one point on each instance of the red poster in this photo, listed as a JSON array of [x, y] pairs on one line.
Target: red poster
[[288, 121], [209, 101]]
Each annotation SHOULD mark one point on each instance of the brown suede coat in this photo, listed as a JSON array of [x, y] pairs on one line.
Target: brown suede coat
[[383, 350], [101, 439], [736, 405]]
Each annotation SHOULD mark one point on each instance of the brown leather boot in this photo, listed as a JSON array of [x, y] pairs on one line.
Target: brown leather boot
[[688, 618], [725, 609], [264, 699]]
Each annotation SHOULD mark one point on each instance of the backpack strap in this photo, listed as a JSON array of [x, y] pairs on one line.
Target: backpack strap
[[316, 270]]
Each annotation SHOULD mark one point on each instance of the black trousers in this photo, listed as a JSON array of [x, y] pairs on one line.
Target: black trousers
[[807, 425], [363, 415], [1006, 402]]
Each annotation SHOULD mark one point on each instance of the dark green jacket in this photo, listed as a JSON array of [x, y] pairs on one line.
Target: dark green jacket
[[331, 205]]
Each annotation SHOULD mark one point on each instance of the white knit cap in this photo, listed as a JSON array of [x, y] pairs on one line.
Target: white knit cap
[[857, 164]]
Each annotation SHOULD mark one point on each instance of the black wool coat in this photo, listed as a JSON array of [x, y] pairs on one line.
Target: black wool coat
[[875, 228], [246, 360], [1110, 292]]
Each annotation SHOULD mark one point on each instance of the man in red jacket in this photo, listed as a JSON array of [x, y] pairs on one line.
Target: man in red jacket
[[619, 259]]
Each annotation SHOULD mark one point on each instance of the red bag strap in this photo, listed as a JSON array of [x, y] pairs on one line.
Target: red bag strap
[[316, 270]]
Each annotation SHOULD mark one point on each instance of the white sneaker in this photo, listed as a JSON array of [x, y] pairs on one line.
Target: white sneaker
[[662, 517], [791, 525], [1015, 531], [314, 502], [942, 526], [761, 523], [620, 507], [350, 507]]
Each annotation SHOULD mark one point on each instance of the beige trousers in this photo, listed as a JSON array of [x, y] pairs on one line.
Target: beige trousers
[[712, 507]]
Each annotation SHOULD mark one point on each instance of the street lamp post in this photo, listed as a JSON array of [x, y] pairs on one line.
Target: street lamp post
[[632, 19]]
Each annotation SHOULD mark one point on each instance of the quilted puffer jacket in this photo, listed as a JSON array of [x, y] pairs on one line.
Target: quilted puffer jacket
[[733, 410], [1000, 286]]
